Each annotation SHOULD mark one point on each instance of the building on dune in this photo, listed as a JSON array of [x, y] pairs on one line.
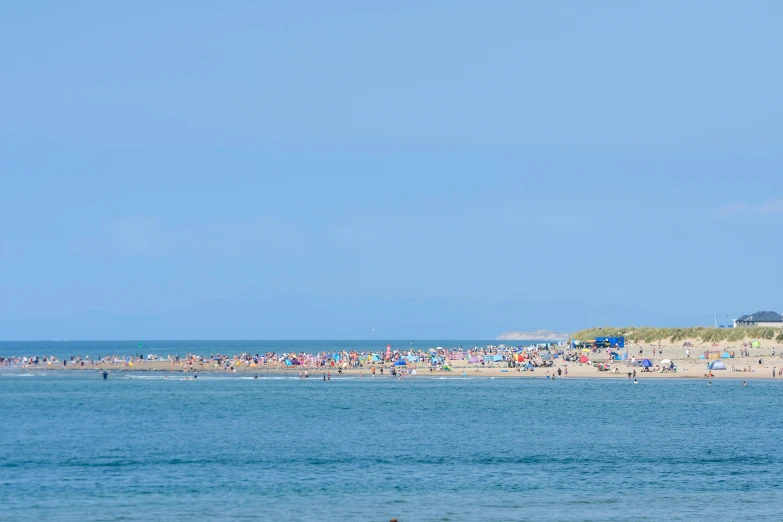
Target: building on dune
[[769, 319]]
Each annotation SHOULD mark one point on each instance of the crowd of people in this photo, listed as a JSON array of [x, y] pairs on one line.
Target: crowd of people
[[400, 361]]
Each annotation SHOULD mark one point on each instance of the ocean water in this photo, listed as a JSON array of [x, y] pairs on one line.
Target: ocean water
[[138, 447], [61, 349]]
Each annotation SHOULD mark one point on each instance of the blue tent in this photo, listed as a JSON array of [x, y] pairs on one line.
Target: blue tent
[[401, 362], [610, 342], [646, 363], [725, 355], [716, 365]]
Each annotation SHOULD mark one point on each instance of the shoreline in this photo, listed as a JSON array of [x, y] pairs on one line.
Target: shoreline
[[760, 362], [574, 372]]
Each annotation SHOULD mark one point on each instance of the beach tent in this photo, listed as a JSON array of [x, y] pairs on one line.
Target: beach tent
[[583, 359], [473, 359], [725, 355], [755, 344], [287, 362], [646, 363], [716, 365], [401, 362], [608, 342]]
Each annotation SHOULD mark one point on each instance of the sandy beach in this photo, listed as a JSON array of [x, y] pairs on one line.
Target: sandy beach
[[759, 364]]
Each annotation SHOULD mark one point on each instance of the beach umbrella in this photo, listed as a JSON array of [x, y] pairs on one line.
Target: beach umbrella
[[666, 361], [586, 350], [646, 363], [401, 362]]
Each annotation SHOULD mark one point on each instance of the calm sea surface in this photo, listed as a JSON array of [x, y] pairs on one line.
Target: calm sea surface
[[94, 349], [138, 447]]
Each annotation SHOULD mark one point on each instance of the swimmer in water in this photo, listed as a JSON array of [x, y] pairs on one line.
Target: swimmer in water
[[464, 374], [744, 383], [709, 383], [635, 381]]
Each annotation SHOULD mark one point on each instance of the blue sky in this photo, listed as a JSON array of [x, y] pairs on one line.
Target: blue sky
[[426, 169]]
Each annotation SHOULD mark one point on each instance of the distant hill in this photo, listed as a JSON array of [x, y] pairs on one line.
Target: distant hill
[[537, 335]]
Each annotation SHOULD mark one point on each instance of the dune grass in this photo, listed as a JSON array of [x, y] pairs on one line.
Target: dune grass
[[645, 334]]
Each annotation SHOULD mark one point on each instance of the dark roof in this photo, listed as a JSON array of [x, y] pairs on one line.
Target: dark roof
[[762, 317]]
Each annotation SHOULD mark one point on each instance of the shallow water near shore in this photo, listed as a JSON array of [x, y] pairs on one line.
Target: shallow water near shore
[[141, 447], [95, 349]]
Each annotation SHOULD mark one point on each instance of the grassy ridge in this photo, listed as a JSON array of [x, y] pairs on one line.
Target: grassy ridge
[[674, 335]]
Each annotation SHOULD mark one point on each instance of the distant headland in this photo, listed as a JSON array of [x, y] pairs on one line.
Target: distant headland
[[537, 335]]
